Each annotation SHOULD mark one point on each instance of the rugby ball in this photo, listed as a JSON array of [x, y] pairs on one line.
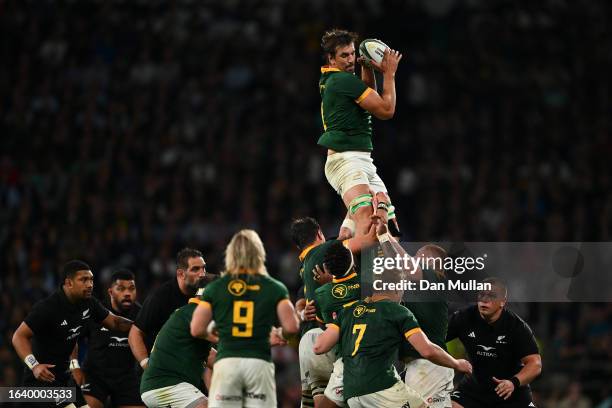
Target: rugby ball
[[372, 49]]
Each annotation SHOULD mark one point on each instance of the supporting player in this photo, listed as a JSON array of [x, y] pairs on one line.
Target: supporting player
[[310, 240], [347, 104], [370, 332], [50, 331], [108, 370], [502, 348], [174, 376], [245, 302], [433, 382], [330, 299]]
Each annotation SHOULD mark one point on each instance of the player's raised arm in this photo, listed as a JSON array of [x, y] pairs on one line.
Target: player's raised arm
[[383, 106]]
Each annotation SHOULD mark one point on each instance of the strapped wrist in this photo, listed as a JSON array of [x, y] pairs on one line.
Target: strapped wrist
[[382, 238], [74, 364], [30, 361], [144, 362], [515, 381]]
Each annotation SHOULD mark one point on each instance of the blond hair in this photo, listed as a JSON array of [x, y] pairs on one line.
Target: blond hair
[[245, 254]]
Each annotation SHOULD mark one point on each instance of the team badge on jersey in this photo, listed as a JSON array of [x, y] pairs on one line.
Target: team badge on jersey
[[237, 287], [339, 291], [359, 310]]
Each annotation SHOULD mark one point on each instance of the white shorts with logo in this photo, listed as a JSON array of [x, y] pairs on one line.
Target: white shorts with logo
[[345, 170], [433, 382], [335, 387], [398, 395], [242, 382], [181, 395], [315, 370]]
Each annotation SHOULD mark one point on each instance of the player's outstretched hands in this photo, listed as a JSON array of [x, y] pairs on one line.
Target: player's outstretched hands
[[464, 366], [389, 63], [41, 372], [504, 388]]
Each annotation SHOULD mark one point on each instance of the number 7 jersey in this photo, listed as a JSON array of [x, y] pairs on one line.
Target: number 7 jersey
[[370, 336], [244, 310]]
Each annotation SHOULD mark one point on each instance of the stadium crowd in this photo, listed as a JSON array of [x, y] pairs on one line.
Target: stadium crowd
[[131, 129]]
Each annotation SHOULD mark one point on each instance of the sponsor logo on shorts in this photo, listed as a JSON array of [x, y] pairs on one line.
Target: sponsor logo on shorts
[[220, 397], [252, 395], [237, 287], [432, 400]]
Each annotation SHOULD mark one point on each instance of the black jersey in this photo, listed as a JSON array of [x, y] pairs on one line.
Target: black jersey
[[109, 351], [57, 323], [495, 350], [158, 306]]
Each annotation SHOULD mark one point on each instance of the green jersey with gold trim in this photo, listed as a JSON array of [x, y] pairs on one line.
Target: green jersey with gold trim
[[346, 125], [312, 256], [335, 295], [370, 336], [176, 356], [244, 310]]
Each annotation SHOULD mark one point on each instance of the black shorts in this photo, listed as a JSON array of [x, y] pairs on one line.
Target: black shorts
[[123, 389], [61, 380], [472, 398]]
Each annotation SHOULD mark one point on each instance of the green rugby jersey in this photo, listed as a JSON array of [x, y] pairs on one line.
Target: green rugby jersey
[[336, 295], [310, 257], [346, 125], [176, 356], [244, 310], [370, 336], [431, 311]]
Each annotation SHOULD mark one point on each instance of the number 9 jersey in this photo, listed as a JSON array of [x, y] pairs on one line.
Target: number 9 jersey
[[244, 310]]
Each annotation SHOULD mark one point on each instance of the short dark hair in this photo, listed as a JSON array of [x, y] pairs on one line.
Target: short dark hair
[[338, 259], [122, 274], [70, 268], [334, 38], [497, 283], [304, 231], [182, 258]]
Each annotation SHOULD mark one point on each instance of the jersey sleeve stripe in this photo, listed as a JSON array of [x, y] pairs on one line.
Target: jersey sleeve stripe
[[364, 95], [412, 331], [205, 303], [319, 320], [195, 300], [335, 326]]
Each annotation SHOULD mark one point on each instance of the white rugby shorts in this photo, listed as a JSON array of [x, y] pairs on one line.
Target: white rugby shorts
[[345, 170]]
